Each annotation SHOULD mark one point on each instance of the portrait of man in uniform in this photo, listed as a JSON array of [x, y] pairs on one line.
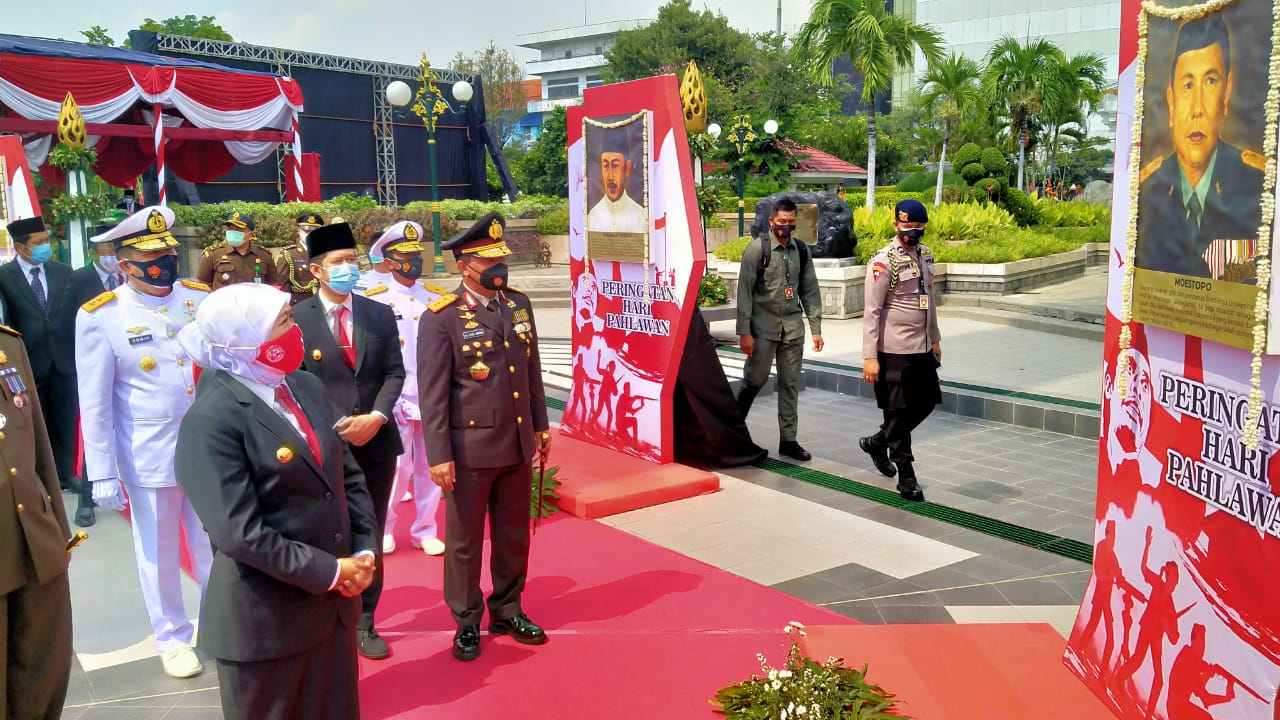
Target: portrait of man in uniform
[[615, 179], [1199, 198]]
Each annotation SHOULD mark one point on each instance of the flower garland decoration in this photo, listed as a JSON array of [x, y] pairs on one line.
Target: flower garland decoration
[[1271, 110]]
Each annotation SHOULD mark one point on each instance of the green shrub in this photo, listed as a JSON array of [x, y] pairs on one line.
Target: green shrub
[[989, 189], [857, 197], [973, 172], [712, 291], [1014, 244], [967, 154], [912, 168], [1077, 213], [275, 227], [1097, 234], [555, 222], [922, 181], [732, 250], [994, 162], [1020, 206]]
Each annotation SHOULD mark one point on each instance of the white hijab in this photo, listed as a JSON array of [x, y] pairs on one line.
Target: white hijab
[[231, 325]]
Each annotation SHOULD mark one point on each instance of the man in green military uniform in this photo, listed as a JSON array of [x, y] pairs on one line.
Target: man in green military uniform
[[238, 258], [1208, 190], [775, 294], [35, 598], [294, 262], [480, 375], [901, 344]]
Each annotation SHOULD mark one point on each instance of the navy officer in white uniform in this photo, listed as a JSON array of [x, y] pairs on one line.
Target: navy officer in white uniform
[[136, 383]]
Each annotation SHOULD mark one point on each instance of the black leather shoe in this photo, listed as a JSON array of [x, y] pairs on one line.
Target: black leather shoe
[[521, 628], [879, 457], [792, 449], [466, 644], [85, 516], [370, 644], [908, 488]]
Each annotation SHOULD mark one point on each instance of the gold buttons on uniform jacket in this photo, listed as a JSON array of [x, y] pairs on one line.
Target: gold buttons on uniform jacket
[[519, 420], [471, 423], [506, 344], [147, 363], [284, 454], [315, 355], [191, 391], [182, 362], [1, 435], [402, 341], [20, 508], [511, 369], [13, 472], [515, 395]]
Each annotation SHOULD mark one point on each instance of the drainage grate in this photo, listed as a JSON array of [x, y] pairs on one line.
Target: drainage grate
[[1048, 542]]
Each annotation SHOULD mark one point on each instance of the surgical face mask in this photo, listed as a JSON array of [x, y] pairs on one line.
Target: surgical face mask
[[42, 254], [235, 238], [110, 263], [161, 272], [343, 278], [911, 236], [411, 268]]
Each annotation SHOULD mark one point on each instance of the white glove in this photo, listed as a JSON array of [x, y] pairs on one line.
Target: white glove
[[108, 494]]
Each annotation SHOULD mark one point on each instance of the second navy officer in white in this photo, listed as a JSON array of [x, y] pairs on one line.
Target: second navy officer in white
[[136, 383]]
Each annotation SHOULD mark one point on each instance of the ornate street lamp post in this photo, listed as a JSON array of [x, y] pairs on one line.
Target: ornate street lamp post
[[741, 136], [429, 104]]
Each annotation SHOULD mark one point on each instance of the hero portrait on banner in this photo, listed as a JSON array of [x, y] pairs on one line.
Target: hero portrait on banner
[[617, 161]]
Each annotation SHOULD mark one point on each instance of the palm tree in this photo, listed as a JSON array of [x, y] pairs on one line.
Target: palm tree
[[1021, 77], [952, 89], [877, 43], [1080, 81]]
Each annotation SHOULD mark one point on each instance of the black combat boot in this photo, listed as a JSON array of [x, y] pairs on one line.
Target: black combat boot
[[908, 488], [879, 456]]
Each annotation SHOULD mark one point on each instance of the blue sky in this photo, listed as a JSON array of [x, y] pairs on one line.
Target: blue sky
[[392, 30]]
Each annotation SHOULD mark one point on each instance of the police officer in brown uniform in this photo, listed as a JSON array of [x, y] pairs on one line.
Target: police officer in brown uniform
[[35, 599], [293, 262], [901, 344], [484, 417], [237, 258]]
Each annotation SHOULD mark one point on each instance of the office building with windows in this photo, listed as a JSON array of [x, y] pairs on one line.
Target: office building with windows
[[570, 61]]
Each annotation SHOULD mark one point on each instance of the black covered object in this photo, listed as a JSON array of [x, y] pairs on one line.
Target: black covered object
[[835, 221], [709, 429]]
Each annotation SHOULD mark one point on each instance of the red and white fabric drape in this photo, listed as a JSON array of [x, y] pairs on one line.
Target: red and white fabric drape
[[33, 87]]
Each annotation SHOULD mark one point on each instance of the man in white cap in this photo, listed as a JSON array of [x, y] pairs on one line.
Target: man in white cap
[[408, 298], [136, 383]]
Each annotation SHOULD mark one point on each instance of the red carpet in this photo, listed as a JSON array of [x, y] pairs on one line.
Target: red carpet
[[637, 631], [600, 482], [640, 632]]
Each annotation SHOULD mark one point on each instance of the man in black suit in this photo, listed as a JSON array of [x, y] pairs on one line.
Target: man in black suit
[[353, 346], [37, 295], [87, 283], [1208, 190], [286, 507]]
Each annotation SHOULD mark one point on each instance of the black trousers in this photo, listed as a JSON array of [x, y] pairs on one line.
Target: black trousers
[[906, 393], [504, 495], [60, 404], [380, 477], [35, 631], [318, 683]]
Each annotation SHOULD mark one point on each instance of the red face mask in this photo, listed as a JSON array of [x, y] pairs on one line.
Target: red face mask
[[285, 353]]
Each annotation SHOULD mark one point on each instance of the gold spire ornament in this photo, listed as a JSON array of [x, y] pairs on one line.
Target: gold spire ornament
[[693, 99], [71, 131]]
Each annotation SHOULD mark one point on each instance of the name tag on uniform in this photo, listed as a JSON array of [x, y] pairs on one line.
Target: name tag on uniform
[[924, 302], [139, 339], [909, 272], [472, 334]]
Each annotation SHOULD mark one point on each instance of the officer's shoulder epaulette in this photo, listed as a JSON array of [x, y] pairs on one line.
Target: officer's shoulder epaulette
[[434, 289], [376, 290], [99, 301], [442, 302], [195, 285], [1255, 160], [518, 292], [925, 253], [216, 247], [8, 330], [1150, 169]]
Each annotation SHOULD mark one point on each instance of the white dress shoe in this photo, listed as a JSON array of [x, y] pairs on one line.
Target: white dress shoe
[[388, 544], [406, 497], [181, 663], [432, 546]]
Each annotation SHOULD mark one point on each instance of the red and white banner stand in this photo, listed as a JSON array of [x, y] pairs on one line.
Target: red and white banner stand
[[19, 199], [1181, 620]]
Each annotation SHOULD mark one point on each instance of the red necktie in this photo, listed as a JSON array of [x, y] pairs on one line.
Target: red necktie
[[343, 338], [286, 400]]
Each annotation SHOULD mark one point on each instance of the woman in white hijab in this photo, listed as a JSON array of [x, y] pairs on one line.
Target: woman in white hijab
[[286, 508]]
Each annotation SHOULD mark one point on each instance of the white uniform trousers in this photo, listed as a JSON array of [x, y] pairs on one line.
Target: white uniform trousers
[[426, 494], [158, 516]]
